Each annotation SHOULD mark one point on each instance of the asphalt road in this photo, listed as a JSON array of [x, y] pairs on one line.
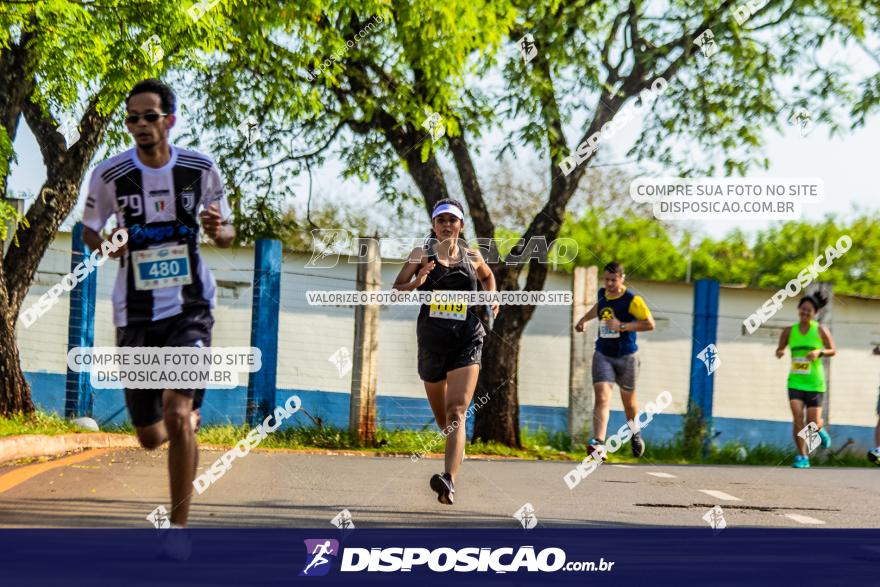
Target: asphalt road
[[119, 488]]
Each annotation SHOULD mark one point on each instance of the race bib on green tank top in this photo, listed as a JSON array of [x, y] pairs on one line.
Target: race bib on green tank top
[[800, 366]]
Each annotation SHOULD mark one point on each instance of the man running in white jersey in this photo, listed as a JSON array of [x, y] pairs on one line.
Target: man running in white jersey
[[162, 196]]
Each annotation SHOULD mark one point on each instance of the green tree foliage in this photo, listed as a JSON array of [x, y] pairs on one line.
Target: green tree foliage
[[780, 253], [769, 259], [460, 58], [730, 260], [68, 64], [641, 244]]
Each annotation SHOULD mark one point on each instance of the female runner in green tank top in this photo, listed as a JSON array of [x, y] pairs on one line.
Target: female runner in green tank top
[[809, 342]]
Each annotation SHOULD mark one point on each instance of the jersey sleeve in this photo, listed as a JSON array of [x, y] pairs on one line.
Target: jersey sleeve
[[639, 309], [99, 203], [213, 192]]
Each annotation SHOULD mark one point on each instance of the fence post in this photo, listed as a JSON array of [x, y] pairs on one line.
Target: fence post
[[78, 400], [704, 333], [364, 373], [584, 283], [264, 328]]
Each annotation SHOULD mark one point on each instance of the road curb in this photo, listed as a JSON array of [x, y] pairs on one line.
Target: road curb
[[37, 445]]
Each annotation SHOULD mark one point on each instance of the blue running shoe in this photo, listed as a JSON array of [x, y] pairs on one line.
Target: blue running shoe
[[826, 438], [801, 462]]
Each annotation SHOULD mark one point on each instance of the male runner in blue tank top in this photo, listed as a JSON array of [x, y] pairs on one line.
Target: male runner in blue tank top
[[621, 314]]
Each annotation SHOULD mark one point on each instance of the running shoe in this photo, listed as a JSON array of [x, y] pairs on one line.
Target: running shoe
[[801, 462], [597, 447], [442, 484], [176, 545], [874, 455], [826, 438], [637, 445]]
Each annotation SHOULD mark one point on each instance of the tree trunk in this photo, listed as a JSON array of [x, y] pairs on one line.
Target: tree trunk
[[498, 420], [65, 169], [15, 393]]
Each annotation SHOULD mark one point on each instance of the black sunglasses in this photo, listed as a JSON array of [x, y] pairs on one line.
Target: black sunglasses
[[149, 117]]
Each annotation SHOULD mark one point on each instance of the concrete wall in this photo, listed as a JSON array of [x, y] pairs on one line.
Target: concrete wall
[[750, 401]]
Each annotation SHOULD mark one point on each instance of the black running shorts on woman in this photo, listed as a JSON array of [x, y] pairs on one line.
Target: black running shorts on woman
[[451, 336]]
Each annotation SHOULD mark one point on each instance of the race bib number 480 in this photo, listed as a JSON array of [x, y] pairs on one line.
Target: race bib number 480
[[161, 267], [800, 366], [452, 311]]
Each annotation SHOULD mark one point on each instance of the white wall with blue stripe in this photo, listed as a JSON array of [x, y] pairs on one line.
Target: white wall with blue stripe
[[749, 403]]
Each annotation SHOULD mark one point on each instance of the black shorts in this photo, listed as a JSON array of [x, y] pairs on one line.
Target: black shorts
[[190, 328], [435, 363], [811, 399]]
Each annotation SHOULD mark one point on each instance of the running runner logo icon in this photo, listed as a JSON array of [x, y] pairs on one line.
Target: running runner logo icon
[[706, 43], [343, 520], [527, 47], [434, 125], [526, 516], [69, 129], [159, 518], [321, 553], [715, 518], [152, 48], [709, 356], [342, 359], [810, 434]]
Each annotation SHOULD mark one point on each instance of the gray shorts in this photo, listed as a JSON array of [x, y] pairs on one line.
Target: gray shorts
[[620, 370]]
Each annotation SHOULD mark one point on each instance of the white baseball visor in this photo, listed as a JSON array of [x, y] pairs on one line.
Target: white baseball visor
[[447, 209]]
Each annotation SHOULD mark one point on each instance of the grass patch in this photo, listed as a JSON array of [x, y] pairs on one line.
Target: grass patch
[[678, 452], [408, 442], [539, 445], [36, 423]]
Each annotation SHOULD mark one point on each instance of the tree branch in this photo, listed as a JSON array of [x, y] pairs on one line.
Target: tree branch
[[470, 185], [64, 171]]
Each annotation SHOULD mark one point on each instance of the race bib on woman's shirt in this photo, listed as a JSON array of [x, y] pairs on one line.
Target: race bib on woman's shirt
[[453, 311], [800, 366]]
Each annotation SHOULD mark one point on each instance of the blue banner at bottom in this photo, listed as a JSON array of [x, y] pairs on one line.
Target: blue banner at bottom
[[594, 556]]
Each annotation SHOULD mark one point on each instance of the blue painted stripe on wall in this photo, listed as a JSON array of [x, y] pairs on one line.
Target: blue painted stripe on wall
[[228, 407]]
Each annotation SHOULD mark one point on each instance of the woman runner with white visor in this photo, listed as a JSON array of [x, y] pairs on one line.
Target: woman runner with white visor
[[450, 336]]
